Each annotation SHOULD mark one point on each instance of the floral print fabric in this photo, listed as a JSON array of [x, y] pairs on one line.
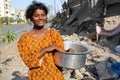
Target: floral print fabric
[[29, 48]]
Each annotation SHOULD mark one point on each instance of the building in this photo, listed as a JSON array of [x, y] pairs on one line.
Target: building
[[2, 8], [6, 10], [12, 12], [20, 14]]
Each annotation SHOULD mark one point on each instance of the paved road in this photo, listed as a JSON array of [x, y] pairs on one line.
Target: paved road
[[20, 29], [17, 28]]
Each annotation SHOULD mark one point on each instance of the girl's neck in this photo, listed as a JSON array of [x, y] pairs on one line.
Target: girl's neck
[[38, 27]]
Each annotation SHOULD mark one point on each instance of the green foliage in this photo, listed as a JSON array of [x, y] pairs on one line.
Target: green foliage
[[0, 21], [6, 20], [11, 20], [1, 32], [10, 36], [5, 39], [1, 36]]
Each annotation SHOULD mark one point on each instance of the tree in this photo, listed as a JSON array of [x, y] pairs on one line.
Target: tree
[[5, 20], [11, 20]]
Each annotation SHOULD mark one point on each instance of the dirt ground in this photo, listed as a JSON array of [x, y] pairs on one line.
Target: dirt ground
[[11, 63]]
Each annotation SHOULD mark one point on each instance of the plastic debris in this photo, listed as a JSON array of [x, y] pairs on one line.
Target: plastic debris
[[116, 67], [117, 48]]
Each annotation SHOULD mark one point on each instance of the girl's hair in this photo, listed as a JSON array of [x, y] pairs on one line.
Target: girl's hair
[[31, 8]]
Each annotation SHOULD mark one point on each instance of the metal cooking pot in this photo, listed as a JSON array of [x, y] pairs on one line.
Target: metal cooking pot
[[74, 60]]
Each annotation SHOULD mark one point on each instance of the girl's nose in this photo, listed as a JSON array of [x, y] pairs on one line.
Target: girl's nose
[[40, 17]]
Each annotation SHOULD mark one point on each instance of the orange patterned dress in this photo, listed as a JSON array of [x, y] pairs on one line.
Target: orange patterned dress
[[29, 48]]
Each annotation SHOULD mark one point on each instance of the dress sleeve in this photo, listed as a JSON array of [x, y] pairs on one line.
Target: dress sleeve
[[57, 39], [30, 58]]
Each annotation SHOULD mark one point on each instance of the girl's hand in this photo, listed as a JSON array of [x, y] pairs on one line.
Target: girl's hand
[[70, 50], [51, 48]]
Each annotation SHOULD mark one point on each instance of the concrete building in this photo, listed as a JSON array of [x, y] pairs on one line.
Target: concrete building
[[7, 8], [12, 12], [20, 14], [2, 8]]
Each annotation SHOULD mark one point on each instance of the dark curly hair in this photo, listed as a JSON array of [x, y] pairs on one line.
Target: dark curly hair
[[31, 8]]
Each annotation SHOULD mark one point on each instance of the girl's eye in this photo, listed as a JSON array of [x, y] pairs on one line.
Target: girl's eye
[[36, 15], [43, 14]]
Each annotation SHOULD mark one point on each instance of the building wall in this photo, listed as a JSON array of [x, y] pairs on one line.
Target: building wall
[[7, 7], [6, 10], [21, 13], [12, 12], [1, 8]]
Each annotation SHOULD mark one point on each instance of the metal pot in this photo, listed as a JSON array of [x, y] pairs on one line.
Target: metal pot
[[74, 60]]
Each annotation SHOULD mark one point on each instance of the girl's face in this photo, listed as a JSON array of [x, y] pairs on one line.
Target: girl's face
[[39, 17]]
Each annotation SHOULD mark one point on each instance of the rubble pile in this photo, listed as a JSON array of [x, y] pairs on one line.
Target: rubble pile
[[111, 22], [98, 63], [76, 13], [73, 37], [97, 67]]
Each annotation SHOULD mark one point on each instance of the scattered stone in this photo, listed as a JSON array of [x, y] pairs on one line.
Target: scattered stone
[[73, 37], [104, 69], [66, 75], [91, 70], [78, 74], [0, 71], [6, 61]]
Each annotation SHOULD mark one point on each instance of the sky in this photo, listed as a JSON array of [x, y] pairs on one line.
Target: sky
[[23, 4]]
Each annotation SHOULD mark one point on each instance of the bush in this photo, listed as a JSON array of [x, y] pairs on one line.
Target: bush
[[1, 36], [11, 20], [10, 36], [7, 20]]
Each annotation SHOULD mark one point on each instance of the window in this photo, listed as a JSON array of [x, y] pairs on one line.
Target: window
[[6, 12]]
